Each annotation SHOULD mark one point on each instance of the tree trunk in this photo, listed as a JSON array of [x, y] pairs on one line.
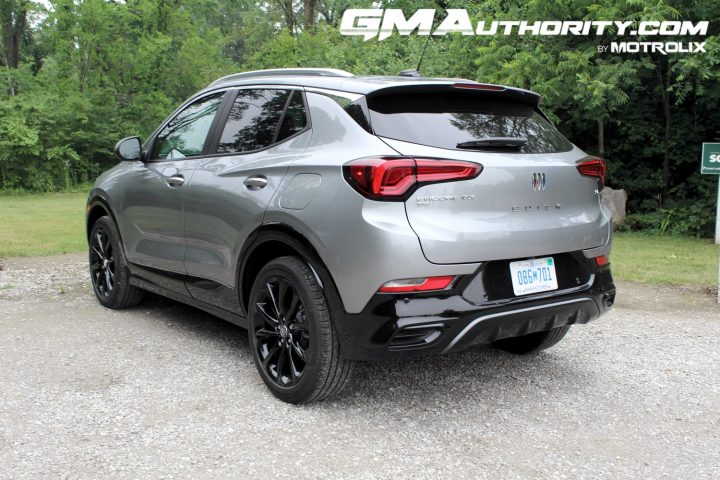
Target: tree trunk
[[14, 19], [664, 85], [310, 7], [601, 137], [287, 8], [13, 29]]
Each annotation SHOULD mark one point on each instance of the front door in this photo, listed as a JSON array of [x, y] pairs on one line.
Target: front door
[[153, 205]]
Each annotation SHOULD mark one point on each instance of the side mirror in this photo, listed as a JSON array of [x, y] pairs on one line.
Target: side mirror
[[128, 149]]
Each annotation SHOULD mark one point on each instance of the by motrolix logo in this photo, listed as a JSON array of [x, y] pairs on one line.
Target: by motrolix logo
[[382, 23]]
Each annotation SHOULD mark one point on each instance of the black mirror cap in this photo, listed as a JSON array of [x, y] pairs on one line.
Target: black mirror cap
[[128, 149]]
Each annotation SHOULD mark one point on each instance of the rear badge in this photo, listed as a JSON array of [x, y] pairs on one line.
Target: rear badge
[[534, 208], [427, 200], [538, 181]]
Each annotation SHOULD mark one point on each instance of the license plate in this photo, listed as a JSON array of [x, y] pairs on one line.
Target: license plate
[[533, 276]]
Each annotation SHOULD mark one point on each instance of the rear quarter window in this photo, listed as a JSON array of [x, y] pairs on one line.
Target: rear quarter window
[[445, 120]]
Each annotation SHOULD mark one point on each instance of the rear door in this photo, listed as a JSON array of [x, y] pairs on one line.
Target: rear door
[[529, 200], [263, 132]]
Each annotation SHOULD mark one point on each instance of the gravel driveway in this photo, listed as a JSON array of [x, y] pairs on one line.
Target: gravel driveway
[[164, 390]]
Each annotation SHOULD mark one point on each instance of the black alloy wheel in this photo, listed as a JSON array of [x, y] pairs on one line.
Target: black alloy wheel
[[109, 272], [283, 337], [102, 262], [292, 336]]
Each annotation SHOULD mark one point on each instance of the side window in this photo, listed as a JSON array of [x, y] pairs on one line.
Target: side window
[[356, 109], [184, 135], [294, 120], [253, 121]]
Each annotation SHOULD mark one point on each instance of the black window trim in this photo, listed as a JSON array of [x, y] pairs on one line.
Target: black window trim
[[226, 114], [213, 140], [149, 147], [282, 118]]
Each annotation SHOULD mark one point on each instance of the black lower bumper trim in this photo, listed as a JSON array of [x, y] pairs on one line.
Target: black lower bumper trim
[[515, 323], [393, 325]]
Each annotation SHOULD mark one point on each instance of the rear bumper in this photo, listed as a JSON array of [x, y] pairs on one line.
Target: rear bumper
[[394, 325]]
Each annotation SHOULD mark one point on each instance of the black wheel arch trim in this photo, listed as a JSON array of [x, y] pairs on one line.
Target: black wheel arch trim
[[281, 232], [99, 198]]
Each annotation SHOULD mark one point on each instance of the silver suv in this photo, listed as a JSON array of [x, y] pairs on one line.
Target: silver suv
[[342, 218]]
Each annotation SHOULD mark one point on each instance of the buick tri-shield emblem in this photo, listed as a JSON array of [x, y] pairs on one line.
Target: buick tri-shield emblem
[[538, 182]]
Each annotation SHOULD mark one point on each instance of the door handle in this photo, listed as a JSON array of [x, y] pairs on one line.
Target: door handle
[[175, 180], [256, 182]]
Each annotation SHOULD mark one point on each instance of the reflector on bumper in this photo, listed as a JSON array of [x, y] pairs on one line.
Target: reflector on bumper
[[422, 284]]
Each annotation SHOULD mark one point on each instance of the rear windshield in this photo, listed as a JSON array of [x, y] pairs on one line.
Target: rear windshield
[[445, 120]]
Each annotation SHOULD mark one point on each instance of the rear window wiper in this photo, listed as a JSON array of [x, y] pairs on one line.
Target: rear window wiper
[[493, 142]]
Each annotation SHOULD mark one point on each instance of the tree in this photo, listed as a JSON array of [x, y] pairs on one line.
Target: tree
[[286, 6], [83, 74], [310, 14], [13, 15]]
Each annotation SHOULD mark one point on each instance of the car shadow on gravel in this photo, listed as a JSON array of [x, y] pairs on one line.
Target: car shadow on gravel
[[196, 322], [477, 373]]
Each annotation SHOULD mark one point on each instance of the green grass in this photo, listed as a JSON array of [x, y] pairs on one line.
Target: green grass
[[42, 224], [646, 258], [46, 224]]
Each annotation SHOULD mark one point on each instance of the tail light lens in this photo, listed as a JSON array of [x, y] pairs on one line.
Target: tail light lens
[[424, 284], [395, 178], [593, 167]]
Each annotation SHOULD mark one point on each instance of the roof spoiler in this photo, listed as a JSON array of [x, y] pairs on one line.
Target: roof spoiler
[[496, 91]]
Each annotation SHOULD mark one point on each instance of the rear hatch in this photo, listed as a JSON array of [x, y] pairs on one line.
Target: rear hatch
[[529, 200]]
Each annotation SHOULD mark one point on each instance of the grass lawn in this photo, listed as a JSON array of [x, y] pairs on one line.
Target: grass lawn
[[42, 224], [52, 223], [641, 257]]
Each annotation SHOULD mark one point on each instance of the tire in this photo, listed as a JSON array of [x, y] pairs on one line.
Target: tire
[[533, 342], [109, 273], [292, 337]]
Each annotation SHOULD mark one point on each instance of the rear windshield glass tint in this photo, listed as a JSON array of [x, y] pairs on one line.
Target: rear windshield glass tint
[[445, 120]]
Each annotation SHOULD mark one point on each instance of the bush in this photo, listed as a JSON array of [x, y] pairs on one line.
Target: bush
[[697, 220]]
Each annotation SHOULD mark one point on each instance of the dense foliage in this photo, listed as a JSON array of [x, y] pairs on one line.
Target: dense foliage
[[80, 74]]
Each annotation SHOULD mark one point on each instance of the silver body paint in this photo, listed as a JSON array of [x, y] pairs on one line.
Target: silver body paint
[[199, 228]]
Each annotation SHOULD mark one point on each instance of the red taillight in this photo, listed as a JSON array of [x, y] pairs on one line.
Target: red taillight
[[593, 167], [479, 86], [381, 177], [395, 178], [602, 260], [425, 284]]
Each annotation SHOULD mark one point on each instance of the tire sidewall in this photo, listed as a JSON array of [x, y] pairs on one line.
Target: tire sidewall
[[318, 319]]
